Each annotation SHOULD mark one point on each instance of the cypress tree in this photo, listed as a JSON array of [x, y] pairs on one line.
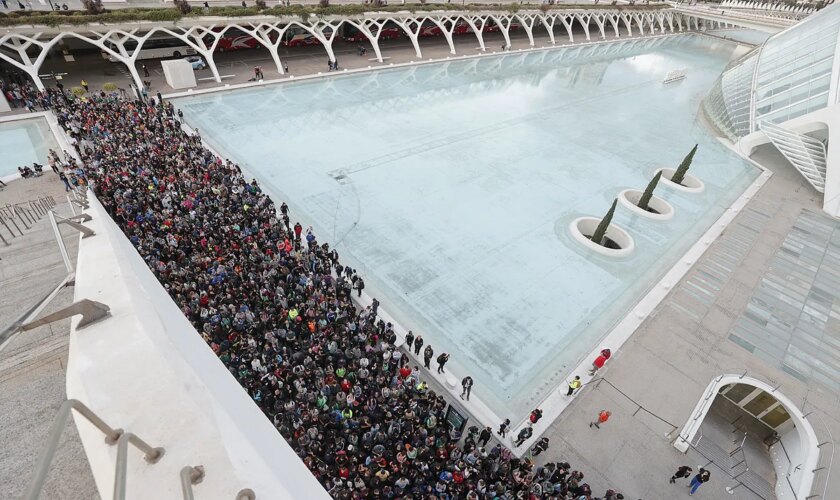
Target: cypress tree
[[648, 194], [679, 175], [601, 230]]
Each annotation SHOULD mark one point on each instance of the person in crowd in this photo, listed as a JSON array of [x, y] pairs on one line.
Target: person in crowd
[[524, 435], [540, 446], [503, 427], [441, 361], [279, 315], [702, 476]]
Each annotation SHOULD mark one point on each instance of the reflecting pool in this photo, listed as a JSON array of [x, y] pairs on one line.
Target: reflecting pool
[[23, 142], [450, 187]]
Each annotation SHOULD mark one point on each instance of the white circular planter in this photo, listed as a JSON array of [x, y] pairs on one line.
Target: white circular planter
[[583, 227], [629, 199], [690, 184]]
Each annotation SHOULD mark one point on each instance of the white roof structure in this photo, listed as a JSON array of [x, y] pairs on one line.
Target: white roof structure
[[787, 92]]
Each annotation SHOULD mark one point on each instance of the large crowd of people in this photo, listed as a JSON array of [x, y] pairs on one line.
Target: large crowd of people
[[274, 303]]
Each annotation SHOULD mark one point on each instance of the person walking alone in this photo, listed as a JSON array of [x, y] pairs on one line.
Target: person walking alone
[[602, 419], [466, 385], [535, 416], [145, 71], [503, 427], [600, 361], [574, 385], [427, 356], [682, 471], [441, 360], [418, 344], [409, 339], [702, 476]]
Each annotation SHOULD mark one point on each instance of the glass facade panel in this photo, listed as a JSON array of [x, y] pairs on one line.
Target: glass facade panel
[[760, 403], [738, 392], [787, 77], [776, 417]]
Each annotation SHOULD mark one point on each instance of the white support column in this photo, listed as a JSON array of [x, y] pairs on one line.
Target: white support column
[[614, 22], [628, 24], [263, 34], [584, 21], [599, 21], [371, 28], [194, 37], [549, 26], [640, 23], [318, 30], [503, 26], [477, 28], [20, 44], [411, 26], [121, 55], [528, 23], [567, 22], [447, 26]]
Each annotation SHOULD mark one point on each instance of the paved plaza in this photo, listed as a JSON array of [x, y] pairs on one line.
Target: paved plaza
[[717, 319]]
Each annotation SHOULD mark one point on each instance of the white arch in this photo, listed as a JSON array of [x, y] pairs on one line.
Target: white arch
[[371, 28], [803, 460], [584, 22], [411, 26], [504, 27], [628, 23], [528, 21], [549, 26], [447, 26], [567, 22], [599, 21], [262, 33], [478, 29]]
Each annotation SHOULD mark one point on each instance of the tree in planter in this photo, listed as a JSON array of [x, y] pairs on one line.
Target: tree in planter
[[648, 194], [601, 230], [679, 175], [109, 87]]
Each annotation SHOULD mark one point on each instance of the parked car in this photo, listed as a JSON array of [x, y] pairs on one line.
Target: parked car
[[196, 61]]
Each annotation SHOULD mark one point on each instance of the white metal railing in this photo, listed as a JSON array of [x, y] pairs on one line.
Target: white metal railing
[[26, 214], [112, 437], [805, 153]]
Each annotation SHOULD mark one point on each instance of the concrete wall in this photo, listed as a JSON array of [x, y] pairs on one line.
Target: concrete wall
[[147, 370]]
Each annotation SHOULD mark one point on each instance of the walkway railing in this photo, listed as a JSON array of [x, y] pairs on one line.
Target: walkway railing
[[112, 436], [24, 215]]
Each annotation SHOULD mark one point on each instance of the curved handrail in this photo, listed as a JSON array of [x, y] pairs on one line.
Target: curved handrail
[[112, 435], [150, 454]]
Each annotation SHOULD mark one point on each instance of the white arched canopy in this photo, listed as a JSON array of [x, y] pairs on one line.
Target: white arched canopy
[[803, 446]]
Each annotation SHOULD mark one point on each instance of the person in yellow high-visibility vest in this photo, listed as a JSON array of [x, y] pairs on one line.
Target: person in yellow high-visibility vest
[[574, 385]]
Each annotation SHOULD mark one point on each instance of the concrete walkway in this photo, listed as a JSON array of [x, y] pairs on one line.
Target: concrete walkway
[[33, 365]]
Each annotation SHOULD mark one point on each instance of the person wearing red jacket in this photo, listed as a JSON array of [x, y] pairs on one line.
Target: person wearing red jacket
[[600, 361]]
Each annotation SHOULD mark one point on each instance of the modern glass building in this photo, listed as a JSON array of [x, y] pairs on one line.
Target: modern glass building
[[788, 76], [787, 92]]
